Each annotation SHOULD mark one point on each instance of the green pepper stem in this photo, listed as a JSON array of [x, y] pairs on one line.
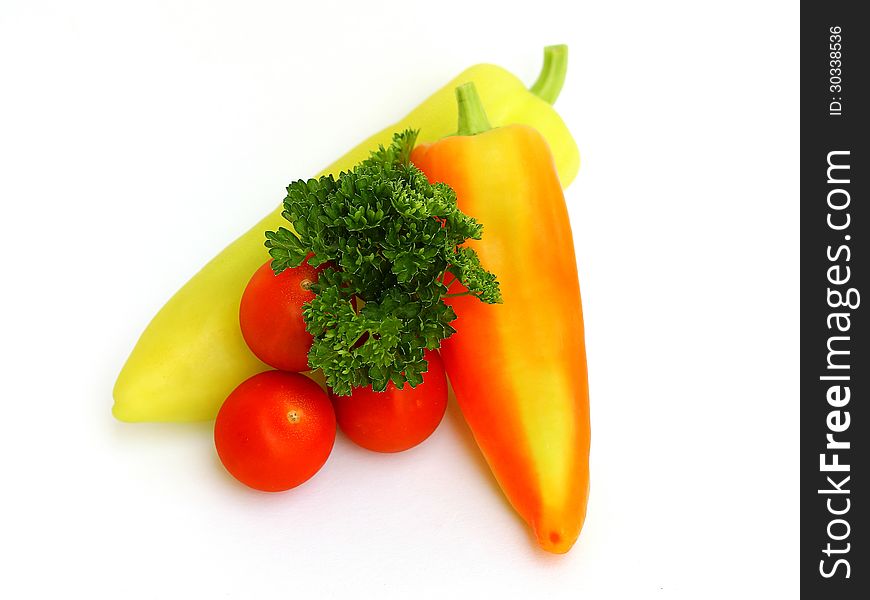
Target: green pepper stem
[[552, 76], [472, 117]]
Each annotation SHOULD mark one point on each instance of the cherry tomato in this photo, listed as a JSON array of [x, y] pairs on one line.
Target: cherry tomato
[[270, 316], [275, 430], [395, 420]]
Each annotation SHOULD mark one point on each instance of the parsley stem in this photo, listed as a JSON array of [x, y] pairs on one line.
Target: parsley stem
[[472, 117], [549, 82], [465, 293]]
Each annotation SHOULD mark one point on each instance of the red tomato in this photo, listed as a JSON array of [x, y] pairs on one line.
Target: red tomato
[[270, 316], [275, 431], [395, 420]]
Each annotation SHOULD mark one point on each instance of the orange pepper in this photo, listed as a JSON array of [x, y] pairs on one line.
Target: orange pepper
[[518, 369]]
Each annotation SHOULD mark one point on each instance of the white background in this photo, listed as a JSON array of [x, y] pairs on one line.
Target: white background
[[137, 139]]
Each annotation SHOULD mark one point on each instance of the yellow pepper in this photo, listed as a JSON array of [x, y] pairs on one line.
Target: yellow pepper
[[192, 354]]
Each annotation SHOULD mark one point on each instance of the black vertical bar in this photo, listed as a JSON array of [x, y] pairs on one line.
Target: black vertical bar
[[835, 367]]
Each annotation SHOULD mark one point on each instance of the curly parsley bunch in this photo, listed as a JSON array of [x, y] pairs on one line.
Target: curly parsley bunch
[[389, 237]]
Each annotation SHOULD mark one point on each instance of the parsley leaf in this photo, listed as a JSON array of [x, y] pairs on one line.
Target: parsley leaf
[[388, 238]]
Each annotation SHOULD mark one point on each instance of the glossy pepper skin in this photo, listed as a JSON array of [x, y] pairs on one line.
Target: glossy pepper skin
[[518, 369], [192, 354]]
